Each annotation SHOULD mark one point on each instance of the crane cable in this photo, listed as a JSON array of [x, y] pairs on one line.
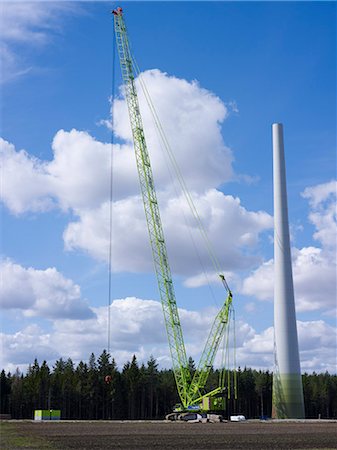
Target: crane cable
[[224, 367], [180, 178], [225, 359], [173, 182], [187, 223], [234, 361], [111, 195]]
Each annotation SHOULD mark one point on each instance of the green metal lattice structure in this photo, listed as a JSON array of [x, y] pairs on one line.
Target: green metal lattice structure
[[190, 389]]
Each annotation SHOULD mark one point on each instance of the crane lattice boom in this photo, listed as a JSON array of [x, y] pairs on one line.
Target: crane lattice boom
[[190, 390]]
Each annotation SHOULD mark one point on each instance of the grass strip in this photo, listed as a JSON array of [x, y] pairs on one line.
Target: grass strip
[[12, 437]]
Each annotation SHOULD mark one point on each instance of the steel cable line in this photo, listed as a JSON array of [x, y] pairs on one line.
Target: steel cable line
[[111, 192]]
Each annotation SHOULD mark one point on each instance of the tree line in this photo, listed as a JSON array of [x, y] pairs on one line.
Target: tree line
[[97, 389]]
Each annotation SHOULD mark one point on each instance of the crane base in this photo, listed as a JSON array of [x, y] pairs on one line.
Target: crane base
[[194, 417]]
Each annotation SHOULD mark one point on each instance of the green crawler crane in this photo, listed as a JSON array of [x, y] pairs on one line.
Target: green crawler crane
[[190, 390]]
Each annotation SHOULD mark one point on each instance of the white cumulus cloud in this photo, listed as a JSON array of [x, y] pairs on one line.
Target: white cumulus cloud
[[137, 327], [21, 348], [25, 25], [44, 293], [191, 117], [323, 216], [317, 347], [314, 277], [25, 185], [225, 220], [77, 180], [78, 175], [314, 268]]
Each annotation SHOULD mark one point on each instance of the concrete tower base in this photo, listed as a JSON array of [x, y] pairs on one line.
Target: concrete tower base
[[288, 400]]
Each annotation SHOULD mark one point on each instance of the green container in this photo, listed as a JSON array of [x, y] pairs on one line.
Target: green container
[[47, 414]]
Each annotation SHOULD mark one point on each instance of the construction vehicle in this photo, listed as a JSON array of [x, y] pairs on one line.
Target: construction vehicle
[[190, 389]]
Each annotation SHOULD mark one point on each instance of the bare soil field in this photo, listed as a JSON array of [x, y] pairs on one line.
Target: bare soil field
[[168, 435]]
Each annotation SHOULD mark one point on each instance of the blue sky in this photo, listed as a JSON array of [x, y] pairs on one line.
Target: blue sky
[[236, 67]]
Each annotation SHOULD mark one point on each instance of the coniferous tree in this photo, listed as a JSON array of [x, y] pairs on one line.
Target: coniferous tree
[[5, 391], [131, 374], [191, 366], [82, 390], [93, 387], [19, 398], [32, 386], [114, 391], [44, 386], [152, 381], [68, 388], [104, 376], [57, 385], [263, 390]]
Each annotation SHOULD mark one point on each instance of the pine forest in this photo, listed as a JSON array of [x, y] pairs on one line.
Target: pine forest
[[98, 390]]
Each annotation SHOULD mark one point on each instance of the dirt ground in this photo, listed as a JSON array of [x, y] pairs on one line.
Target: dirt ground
[[162, 435]]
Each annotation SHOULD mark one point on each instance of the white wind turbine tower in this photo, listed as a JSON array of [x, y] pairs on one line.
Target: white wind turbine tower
[[287, 381]]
